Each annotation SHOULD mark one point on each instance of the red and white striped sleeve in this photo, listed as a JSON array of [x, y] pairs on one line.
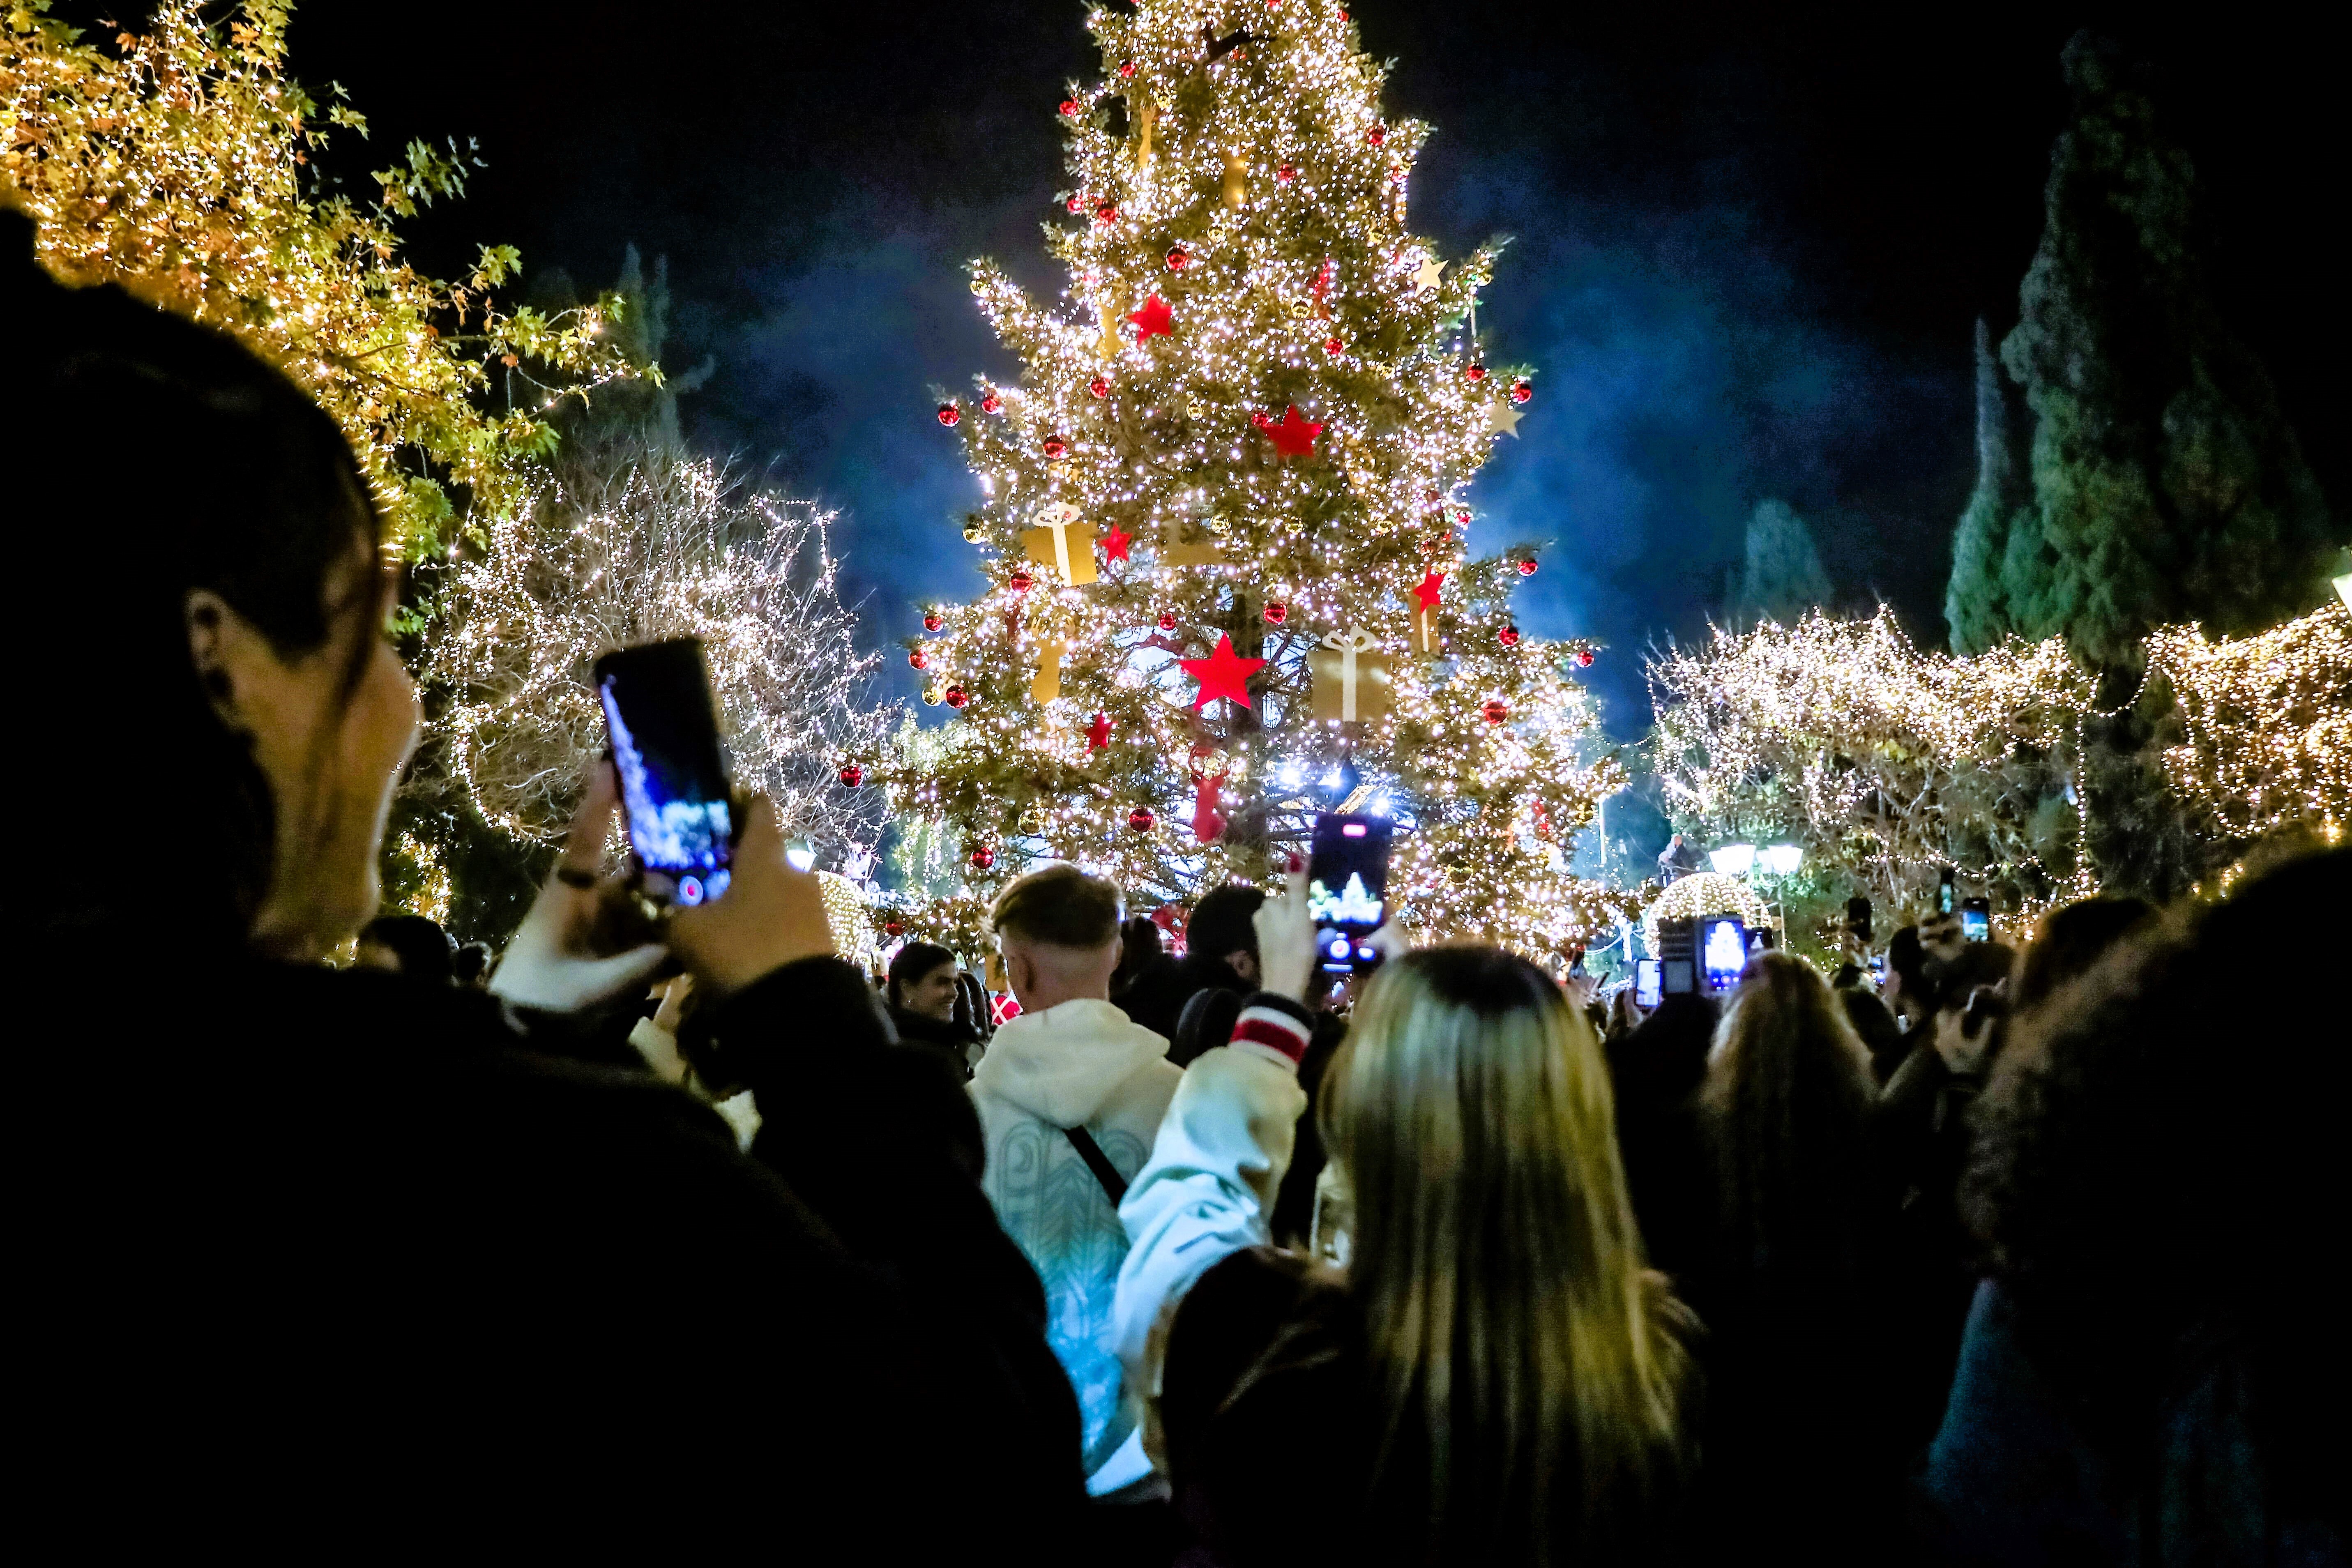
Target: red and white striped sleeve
[[1275, 1027]]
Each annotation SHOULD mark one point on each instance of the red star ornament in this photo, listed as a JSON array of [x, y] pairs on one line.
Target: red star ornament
[[1154, 317], [1223, 673], [1424, 593], [1293, 436], [1099, 734], [1115, 544]]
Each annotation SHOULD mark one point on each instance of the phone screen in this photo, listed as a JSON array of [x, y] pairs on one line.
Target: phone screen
[[1944, 892], [1976, 920], [1348, 887], [1649, 984], [1723, 950], [664, 733]]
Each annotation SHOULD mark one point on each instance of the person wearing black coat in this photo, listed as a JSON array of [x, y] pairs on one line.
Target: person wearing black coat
[[1221, 955], [1655, 1070], [304, 1256]]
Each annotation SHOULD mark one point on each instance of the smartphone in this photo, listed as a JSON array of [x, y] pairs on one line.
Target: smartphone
[[1976, 919], [1677, 957], [1347, 887], [1878, 968], [1857, 919], [1943, 890], [1649, 984], [1723, 950], [664, 733]]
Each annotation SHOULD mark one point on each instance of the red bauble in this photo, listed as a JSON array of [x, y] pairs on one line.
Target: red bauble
[[956, 696], [1477, 372], [992, 404], [949, 414], [1508, 636], [1069, 108], [933, 620], [1177, 257], [853, 775], [1331, 345], [1167, 620], [894, 927], [1261, 420], [1521, 392], [919, 659], [1527, 568], [1377, 134], [1584, 659], [1276, 613], [1020, 581], [1127, 68], [983, 857], [1285, 173], [1107, 213], [1495, 711], [1140, 819], [1077, 204], [1099, 386], [1462, 518], [1055, 447]]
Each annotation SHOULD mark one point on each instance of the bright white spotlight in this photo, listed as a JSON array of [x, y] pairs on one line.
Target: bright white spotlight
[[1378, 805], [1782, 859], [1332, 779], [1733, 859], [1291, 775]]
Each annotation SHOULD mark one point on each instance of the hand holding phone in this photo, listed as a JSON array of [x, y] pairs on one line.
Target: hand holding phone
[[583, 940], [773, 914]]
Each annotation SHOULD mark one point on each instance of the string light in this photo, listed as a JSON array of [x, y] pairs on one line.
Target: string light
[[182, 168], [2269, 721], [1268, 167], [661, 546]]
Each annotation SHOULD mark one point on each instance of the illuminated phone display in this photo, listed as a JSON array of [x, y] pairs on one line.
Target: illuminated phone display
[[664, 733], [1347, 887]]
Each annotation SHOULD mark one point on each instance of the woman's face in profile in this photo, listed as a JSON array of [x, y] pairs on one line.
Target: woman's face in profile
[[331, 747], [932, 996]]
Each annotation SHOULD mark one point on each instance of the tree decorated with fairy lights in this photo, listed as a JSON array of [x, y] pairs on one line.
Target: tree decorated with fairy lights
[[1223, 517]]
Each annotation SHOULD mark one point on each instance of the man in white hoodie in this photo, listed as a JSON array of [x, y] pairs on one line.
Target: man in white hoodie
[[1070, 1096]]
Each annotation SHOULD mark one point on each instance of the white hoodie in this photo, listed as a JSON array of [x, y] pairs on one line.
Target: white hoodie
[[1081, 1064]]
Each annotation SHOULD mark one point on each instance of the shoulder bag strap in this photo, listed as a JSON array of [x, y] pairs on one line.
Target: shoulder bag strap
[[1113, 1185]]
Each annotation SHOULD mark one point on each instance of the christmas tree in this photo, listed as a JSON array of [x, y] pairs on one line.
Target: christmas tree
[[1222, 515]]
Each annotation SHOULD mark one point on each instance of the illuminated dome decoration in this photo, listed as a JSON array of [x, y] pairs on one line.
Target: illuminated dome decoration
[[1704, 894], [845, 916]]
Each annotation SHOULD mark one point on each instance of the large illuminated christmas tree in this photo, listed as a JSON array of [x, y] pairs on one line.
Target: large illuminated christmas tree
[[1221, 516]]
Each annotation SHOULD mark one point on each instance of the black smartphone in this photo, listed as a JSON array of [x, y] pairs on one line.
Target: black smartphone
[[1943, 890], [1723, 950], [1857, 919], [1649, 984], [664, 733], [1677, 957], [1878, 968], [1976, 919], [1348, 887]]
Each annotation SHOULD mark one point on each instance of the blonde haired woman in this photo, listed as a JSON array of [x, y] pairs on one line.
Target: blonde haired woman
[[1495, 1378]]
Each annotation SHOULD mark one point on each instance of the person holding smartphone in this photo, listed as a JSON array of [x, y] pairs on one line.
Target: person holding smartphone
[[1467, 1080], [347, 1253]]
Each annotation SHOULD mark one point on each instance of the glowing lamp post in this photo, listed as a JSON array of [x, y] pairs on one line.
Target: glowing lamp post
[[1733, 859]]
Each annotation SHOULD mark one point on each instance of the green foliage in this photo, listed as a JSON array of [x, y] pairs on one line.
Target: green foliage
[[2166, 485]]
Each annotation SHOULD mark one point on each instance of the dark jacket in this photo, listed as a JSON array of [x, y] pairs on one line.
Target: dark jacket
[[954, 1041], [333, 1245], [1271, 1429], [1655, 1073], [1156, 1000]]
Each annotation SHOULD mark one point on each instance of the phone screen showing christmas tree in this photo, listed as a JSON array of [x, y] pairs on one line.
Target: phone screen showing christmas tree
[[1347, 887], [664, 733]]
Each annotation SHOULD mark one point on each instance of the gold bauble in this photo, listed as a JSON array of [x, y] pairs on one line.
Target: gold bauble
[[930, 696], [1196, 408], [1298, 309], [972, 533], [980, 285]]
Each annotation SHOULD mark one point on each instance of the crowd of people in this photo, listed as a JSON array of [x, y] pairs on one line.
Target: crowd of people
[[684, 1236]]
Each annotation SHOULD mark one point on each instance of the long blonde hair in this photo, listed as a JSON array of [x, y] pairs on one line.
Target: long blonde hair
[[1515, 1338]]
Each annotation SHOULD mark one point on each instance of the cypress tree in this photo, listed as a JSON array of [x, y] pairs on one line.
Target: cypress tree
[[1975, 605], [1782, 577], [2166, 485]]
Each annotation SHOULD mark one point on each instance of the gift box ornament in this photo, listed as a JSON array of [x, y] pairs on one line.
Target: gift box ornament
[[1352, 683], [1064, 544], [1199, 551]]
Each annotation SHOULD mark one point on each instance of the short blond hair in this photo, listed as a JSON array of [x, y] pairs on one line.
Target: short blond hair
[[1059, 906]]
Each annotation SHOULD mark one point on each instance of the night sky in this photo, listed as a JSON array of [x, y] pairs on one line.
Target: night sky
[[1750, 246]]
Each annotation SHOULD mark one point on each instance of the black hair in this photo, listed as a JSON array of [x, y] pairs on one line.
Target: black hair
[[192, 465], [911, 962], [1139, 944], [2072, 939], [1905, 957], [1222, 921], [422, 948], [471, 961]]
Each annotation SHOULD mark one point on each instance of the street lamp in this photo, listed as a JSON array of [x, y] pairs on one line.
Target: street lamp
[[1733, 859], [1782, 859]]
